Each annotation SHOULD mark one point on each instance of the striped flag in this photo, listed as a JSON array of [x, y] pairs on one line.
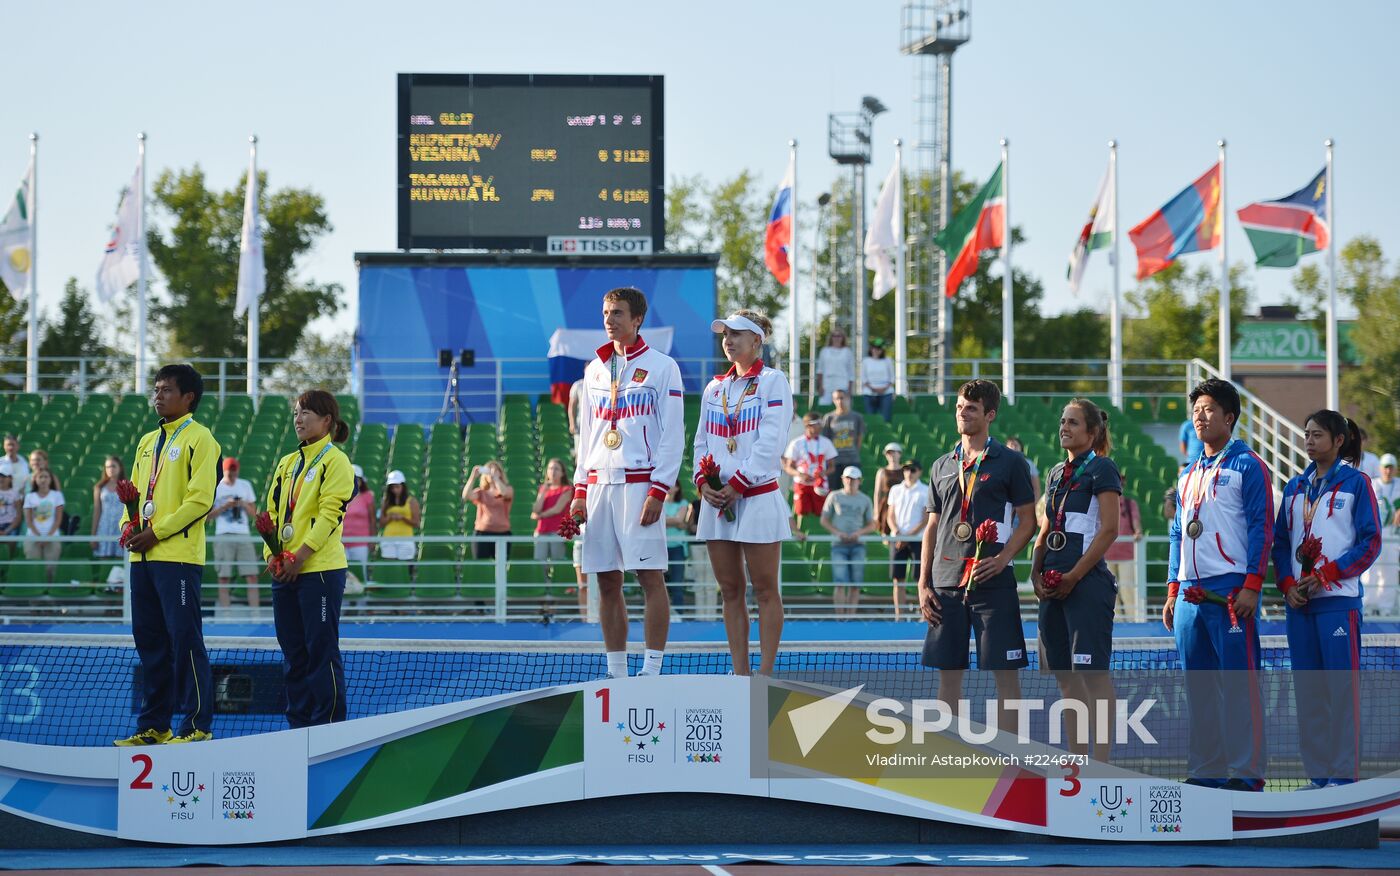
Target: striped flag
[[1190, 222], [1281, 231], [777, 242], [976, 228], [1097, 233]]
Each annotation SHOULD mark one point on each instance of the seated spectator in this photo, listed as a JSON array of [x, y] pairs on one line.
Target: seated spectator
[[19, 469], [848, 514]]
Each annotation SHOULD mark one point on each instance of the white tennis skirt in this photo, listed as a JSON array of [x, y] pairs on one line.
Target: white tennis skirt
[[757, 520]]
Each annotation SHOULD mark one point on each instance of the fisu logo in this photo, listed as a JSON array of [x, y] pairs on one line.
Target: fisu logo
[[645, 725]]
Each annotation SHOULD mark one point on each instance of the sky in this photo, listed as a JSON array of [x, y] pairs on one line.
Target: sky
[[316, 82]]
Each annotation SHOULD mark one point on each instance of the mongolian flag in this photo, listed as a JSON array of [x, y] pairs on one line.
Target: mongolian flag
[[1190, 222], [1281, 231]]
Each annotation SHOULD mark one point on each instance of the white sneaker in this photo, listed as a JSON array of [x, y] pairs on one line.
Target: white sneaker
[[644, 672]]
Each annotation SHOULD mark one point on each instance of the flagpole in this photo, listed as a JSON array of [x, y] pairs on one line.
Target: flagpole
[[255, 304], [901, 293], [1224, 275], [1334, 401], [1008, 343], [794, 334], [1115, 365], [31, 354], [141, 270]]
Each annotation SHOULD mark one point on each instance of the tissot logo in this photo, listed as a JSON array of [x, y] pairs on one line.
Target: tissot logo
[[599, 245]]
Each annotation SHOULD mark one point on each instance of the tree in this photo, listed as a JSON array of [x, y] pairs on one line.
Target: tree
[[199, 260], [729, 218], [75, 334], [13, 333], [318, 363], [1175, 313]]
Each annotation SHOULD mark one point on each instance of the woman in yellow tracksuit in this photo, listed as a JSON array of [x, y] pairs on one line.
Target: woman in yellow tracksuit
[[307, 500]]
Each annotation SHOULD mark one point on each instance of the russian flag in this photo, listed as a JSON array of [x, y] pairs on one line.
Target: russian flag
[[570, 350], [1190, 222], [777, 243]]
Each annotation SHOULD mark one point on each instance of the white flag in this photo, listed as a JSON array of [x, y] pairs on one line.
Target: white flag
[[1097, 233], [121, 260], [252, 276], [15, 236], [885, 232]]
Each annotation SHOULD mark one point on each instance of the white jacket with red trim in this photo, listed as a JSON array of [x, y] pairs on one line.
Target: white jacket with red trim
[[650, 416], [760, 414]]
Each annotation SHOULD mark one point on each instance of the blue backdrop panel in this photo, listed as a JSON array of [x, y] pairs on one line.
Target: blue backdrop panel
[[411, 311]]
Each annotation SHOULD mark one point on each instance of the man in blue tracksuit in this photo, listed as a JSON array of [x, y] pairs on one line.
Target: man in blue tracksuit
[[1220, 541], [1332, 502]]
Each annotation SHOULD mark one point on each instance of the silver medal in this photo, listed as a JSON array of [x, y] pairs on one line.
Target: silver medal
[[1056, 541], [287, 532], [148, 509]]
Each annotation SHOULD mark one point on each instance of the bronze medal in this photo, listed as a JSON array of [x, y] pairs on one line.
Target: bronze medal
[[731, 444], [612, 439], [1056, 541], [1194, 529], [1299, 554], [963, 531]]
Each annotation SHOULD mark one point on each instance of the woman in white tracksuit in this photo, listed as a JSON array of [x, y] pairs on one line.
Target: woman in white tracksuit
[[744, 419]]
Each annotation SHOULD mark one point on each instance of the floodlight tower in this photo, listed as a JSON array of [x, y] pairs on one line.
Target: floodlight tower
[[931, 31], [848, 142]]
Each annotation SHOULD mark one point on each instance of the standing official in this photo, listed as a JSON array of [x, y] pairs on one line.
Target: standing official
[[1332, 502], [744, 418], [1382, 580], [175, 470], [632, 434], [1220, 541], [960, 596], [310, 491]]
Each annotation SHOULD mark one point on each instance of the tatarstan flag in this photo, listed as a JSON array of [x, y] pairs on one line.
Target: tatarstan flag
[[1281, 231], [975, 229]]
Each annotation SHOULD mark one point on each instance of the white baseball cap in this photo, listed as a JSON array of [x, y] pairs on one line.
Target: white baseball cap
[[395, 477], [359, 472], [894, 445], [851, 471], [1387, 459], [738, 323]]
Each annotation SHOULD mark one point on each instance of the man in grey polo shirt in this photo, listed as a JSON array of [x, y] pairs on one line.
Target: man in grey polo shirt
[[980, 480]]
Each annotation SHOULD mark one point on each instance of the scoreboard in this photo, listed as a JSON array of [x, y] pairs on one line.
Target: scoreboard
[[551, 163]]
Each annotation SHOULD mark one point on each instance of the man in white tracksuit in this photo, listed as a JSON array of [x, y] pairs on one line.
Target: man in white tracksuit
[[631, 436], [1381, 582]]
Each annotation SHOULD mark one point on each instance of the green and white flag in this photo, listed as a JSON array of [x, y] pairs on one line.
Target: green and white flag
[[16, 236], [1097, 233]]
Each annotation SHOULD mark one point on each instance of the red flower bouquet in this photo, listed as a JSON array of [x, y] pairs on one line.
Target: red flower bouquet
[[130, 497], [1198, 595], [1050, 579], [709, 470], [268, 530], [1310, 557], [986, 534], [570, 526]]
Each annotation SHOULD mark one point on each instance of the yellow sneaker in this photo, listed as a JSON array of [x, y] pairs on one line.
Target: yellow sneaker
[[145, 737], [192, 736]]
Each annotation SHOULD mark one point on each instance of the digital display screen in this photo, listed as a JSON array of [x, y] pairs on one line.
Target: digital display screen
[[564, 164]]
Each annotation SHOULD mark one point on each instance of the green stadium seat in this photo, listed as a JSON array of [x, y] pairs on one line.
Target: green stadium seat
[[435, 582], [390, 580], [525, 580], [478, 579]]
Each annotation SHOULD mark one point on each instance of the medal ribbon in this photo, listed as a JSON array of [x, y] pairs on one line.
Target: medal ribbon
[[613, 414], [732, 422], [1072, 481], [156, 467], [1310, 503], [1197, 493], [297, 481], [970, 483]]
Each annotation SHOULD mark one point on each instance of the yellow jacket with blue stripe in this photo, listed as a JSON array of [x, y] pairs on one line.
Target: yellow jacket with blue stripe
[[320, 505], [184, 491]]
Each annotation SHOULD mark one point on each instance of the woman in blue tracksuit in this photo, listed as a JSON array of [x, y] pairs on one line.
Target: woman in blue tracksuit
[[1333, 501]]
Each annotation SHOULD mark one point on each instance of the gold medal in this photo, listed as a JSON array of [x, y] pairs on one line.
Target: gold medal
[[612, 439], [731, 444]]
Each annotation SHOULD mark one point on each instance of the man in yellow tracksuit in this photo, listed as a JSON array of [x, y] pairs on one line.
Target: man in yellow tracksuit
[[307, 499], [175, 472]]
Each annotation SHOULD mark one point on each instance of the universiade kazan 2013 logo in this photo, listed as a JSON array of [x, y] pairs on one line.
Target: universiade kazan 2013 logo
[[238, 801], [1112, 804], [182, 794], [642, 734]]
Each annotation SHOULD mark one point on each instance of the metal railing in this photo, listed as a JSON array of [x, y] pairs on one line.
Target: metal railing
[[1277, 439], [508, 587]]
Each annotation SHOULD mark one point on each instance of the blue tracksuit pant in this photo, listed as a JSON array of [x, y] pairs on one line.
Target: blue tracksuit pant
[[306, 614], [169, 634], [1325, 650]]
